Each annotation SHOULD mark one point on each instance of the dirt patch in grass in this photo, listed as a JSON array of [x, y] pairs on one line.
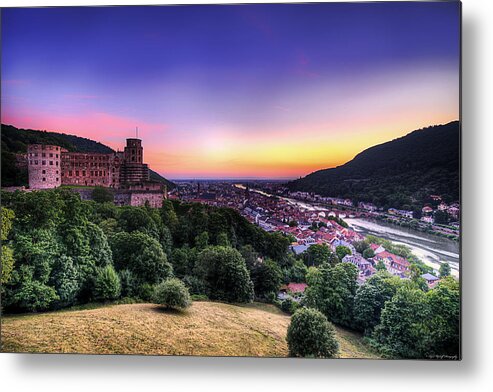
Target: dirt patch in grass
[[206, 329]]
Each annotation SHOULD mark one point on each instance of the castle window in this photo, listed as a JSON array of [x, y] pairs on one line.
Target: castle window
[[44, 179], [57, 155], [84, 173], [43, 162], [77, 173], [43, 155], [35, 162], [57, 178], [43, 172], [57, 172], [51, 163], [56, 163], [51, 155]]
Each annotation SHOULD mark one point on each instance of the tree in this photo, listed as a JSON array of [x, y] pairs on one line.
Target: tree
[[266, 277], [7, 221], [222, 240], [441, 217], [66, 281], [102, 195], [331, 290], [142, 255], [128, 283], [443, 323], [172, 293], [311, 335], [297, 273], [202, 240], [137, 219], [342, 251], [444, 270], [380, 266], [224, 273], [368, 253], [106, 284], [371, 297], [317, 254], [402, 325]]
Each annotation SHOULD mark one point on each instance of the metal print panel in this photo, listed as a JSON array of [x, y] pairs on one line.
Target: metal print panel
[[263, 180]]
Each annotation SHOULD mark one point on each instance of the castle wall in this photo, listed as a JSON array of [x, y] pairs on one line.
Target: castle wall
[[90, 169], [44, 166], [52, 166]]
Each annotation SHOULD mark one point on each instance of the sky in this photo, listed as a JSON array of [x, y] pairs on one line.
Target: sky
[[240, 91]]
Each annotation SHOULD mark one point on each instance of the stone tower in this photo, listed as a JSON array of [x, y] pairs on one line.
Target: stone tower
[[133, 169], [134, 153], [44, 168]]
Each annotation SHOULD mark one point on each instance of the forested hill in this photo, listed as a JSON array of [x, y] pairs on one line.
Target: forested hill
[[400, 173], [16, 140]]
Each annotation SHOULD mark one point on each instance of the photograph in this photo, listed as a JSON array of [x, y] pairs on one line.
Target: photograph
[[232, 180]]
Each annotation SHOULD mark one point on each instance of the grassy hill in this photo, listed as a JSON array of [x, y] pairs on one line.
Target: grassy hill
[[399, 173], [206, 328], [16, 140]]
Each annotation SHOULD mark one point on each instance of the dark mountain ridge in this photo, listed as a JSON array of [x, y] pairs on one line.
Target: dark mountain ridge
[[15, 141], [400, 173]]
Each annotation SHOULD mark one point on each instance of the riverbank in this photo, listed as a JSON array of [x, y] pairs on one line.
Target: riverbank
[[431, 249]]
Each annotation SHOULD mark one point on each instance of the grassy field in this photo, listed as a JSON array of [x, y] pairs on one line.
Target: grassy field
[[206, 328]]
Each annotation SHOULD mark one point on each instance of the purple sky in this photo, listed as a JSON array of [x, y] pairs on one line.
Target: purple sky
[[234, 91]]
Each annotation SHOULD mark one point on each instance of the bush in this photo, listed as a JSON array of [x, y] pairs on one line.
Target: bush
[[172, 293], [289, 306], [106, 284], [145, 292], [102, 195], [311, 335]]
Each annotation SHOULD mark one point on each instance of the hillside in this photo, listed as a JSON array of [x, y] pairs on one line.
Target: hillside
[[400, 173], [16, 140], [207, 328]]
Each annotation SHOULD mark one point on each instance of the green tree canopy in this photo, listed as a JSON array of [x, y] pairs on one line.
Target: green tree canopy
[[311, 335], [224, 273]]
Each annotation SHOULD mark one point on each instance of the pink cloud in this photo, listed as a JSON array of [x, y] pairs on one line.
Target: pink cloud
[[103, 127]]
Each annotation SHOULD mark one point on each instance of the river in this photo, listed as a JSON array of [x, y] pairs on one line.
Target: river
[[431, 249]]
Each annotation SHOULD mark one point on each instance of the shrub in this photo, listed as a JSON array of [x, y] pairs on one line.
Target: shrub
[[289, 306], [102, 195], [146, 292], [311, 335], [172, 293], [106, 284]]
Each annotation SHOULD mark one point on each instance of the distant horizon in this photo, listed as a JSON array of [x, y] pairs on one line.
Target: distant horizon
[[232, 178], [234, 91]]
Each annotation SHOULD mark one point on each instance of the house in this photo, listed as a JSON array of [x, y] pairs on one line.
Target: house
[[298, 249], [293, 291], [431, 280], [427, 219], [426, 210], [396, 265], [377, 248]]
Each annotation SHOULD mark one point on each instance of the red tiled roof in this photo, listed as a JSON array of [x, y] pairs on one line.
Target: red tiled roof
[[297, 287]]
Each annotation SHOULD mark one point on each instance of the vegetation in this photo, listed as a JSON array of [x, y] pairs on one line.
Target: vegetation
[[62, 251], [172, 293], [311, 335], [421, 163]]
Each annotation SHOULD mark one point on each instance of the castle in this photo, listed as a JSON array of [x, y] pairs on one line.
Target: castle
[[51, 166]]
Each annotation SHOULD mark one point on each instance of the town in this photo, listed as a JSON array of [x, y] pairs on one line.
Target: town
[[309, 219]]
